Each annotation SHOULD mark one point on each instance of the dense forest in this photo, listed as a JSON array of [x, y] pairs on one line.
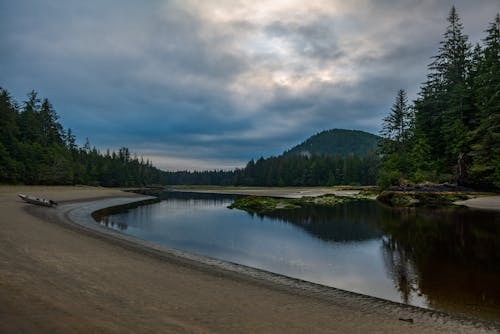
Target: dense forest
[[337, 142], [332, 157], [289, 170], [36, 149], [451, 133]]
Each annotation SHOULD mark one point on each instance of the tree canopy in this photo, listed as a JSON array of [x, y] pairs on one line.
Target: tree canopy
[[456, 132], [36, 149], [450, 133]]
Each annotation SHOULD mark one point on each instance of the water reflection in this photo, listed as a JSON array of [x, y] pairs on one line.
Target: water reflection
[[447, 259], [349, 222], [449, 255], [112, 223]]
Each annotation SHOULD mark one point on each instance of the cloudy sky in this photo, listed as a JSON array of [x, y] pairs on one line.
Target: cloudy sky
[[196, 84]]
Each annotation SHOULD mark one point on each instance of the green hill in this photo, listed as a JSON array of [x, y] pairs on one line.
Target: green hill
[[337, 142], [334, 157]]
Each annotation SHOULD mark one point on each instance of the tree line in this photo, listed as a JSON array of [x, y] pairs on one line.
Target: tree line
[[451, 132], [36, 149], [289, 170]]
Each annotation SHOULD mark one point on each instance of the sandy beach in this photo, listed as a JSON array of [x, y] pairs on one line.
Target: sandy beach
[[58, 277], [483, 202]]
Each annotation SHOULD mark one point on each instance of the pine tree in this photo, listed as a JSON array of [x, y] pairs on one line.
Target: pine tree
[[51, 128], [9, 130], [396, 125], [485, 153], [444, 109], [35, 149], [70, 141], [10, 169], [397, 128], [29, 120]]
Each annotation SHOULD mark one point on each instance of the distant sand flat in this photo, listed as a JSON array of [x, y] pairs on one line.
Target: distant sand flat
[[483, 202], [286, 192], [57, 278]]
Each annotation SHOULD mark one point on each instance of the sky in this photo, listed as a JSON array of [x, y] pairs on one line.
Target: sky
[[205, 84]]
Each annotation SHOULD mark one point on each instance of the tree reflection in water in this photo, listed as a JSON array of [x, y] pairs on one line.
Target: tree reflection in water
[[448, 258], [352, 221], [450, 255]]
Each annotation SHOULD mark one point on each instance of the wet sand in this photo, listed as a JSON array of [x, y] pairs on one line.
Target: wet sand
[[483, 202], [58, 277]]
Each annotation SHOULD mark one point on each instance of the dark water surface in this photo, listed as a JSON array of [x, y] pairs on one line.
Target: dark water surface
[[442, 258]]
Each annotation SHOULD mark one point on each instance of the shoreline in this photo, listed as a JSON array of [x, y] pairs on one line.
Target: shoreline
[[491, 203], [481, 202], [283, 192], [73, 217]]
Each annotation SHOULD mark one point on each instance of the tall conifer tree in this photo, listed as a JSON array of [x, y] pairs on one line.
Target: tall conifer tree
[[485, 153], [444, 107]]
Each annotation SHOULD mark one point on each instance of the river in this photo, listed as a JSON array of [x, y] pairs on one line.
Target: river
[[439, 258]]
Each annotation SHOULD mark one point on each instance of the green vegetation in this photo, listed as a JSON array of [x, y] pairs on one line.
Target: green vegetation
[[450, 134], [337, 142], [298, 169], [260, 205], [452, 131], [257, 204], [412, 198], [36, 149]]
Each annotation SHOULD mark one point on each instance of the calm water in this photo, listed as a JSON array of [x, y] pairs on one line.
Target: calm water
[[446, 259]]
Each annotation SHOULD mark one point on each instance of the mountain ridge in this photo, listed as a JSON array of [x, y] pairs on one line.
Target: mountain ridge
[[342, 142]]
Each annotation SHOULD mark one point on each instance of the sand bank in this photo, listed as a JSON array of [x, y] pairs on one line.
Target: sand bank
[[285, 192], [483, 202], [60, 277]]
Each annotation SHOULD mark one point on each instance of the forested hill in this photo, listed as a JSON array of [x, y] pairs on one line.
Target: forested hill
[[333, 157], [338, 142]]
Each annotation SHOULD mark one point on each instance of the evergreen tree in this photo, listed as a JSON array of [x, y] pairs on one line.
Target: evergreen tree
[[396, 125], [444, 109], [485, 151], [10, 169], [9, 130], [29, 120], [70, 141], [51, 128], [35, 149], [397, 132]]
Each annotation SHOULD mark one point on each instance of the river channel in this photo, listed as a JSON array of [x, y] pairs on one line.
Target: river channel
[[439, 258]]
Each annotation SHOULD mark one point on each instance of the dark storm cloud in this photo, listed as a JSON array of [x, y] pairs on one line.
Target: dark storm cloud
[[211, 84]]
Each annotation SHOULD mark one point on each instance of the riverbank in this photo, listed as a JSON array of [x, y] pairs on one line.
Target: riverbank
[[58, 278], [479, 200], [482, 202], [283, 192]]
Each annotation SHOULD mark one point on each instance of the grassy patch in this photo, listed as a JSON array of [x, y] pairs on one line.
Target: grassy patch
[[259, 204], [367, 194], [409, 199]]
